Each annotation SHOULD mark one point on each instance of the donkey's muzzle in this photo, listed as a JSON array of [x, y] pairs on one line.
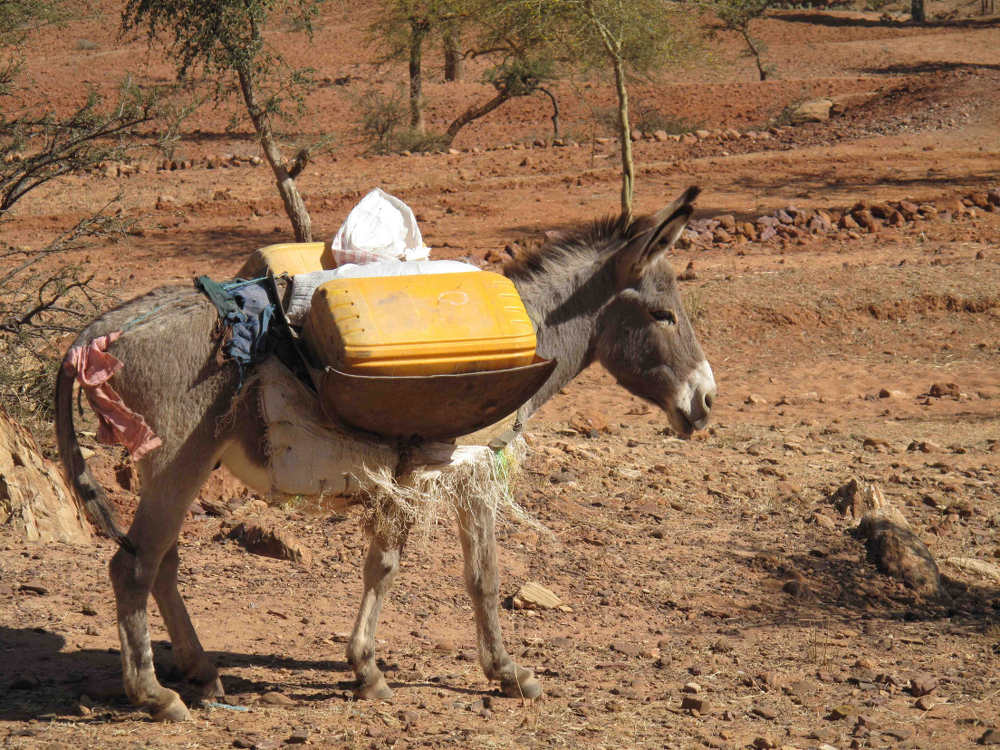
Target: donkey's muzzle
[[698, 396]]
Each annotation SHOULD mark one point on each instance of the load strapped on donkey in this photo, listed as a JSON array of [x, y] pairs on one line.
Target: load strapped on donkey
[[397, 345]]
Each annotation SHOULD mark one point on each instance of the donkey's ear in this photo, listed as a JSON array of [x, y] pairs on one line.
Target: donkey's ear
[[646, 247]]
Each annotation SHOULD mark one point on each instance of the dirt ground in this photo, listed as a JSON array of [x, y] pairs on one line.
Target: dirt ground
[[715, 568]]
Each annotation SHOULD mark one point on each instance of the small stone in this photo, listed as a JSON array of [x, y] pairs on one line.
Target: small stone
[[764, 743], [796, 588], [925, 703], [990, 737], [298, 737], [533, 595], [843, 711], [764, 712], [754, 400], [922, 684], [277, 699], [695, 703], [692, 688], [940, 390]]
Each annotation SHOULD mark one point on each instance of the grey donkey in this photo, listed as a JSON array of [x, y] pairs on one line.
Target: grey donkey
[[604, 293]]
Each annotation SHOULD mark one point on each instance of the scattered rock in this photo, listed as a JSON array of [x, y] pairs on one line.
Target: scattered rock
[[858, 499], [265, 538], [984, 569], [796, 588], [688, 273], [535, 596], [925, 703], [990, 737], [922, 684], [754, 400], [843, 711], [691, 688], [940, 390], [764, 712], [814, 110], [898, 552], [276, 699], [695, 703]]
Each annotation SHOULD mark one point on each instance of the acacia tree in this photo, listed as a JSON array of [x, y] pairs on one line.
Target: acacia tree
[[626, 37], [402, 28], [736, 15], [224, 41], [42, 295]]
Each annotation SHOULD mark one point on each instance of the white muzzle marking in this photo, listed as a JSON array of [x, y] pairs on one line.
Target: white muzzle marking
[[694, 397]]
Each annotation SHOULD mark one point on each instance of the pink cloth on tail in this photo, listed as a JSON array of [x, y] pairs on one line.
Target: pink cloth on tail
[[93, 367]]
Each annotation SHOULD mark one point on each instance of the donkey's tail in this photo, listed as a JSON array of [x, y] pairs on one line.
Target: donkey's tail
[[88, 491]]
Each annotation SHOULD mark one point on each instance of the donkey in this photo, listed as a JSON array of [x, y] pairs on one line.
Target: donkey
[[604, 293]]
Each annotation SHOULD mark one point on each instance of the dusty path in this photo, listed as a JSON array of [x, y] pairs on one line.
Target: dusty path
[[674, 557]]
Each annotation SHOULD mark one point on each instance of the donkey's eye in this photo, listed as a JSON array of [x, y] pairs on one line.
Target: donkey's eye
[[664, 316]]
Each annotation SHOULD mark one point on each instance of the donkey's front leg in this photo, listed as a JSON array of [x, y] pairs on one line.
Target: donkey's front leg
[[381, 566], [476, 528]]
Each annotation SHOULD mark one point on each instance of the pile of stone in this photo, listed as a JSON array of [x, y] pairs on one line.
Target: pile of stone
[[124, 169], [864, 217]]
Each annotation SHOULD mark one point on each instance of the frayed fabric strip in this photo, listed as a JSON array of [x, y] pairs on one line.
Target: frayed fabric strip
[[93, 368]]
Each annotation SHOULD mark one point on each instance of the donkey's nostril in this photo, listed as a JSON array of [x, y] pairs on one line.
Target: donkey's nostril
[[708, 401]]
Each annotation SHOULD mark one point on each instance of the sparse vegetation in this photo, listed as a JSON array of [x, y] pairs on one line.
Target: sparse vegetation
[[224, 43]]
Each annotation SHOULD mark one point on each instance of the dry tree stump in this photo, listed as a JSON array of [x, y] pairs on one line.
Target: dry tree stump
[[36, 504]]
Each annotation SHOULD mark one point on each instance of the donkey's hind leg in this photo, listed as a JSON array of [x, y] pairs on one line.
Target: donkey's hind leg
[[191, 658], [169, 486], [381, 566], [476, 528]]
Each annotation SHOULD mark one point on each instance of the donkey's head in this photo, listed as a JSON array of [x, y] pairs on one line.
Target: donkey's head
[[643, 336]]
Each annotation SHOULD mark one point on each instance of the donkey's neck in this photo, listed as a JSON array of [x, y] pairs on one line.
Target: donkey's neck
[[564, 301]]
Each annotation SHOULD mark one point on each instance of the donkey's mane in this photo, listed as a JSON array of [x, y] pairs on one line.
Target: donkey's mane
[[591, 242]]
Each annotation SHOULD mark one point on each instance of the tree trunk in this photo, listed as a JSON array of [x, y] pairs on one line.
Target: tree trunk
[[295, 207], [35, 500], [917, 11], [453, 58], [755, 51], [418, 30], [625, 134], [474, 113], [555, 111]]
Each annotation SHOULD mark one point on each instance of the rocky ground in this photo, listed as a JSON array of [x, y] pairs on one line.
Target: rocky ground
[[844, 279]]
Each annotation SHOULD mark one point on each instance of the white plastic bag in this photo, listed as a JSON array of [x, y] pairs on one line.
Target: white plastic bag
[[381, 227]]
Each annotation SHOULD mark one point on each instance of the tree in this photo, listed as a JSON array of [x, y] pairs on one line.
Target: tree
[[510, 79], [627, 37], [917, 11], [402, 28], [736, 15], [41, 294], [224, 41]]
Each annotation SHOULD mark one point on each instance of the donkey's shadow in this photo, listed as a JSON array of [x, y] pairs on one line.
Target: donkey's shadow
[[44, 676]]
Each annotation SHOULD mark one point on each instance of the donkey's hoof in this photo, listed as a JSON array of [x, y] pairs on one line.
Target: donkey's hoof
[[173, 710], [525, 685], [376, 691], [209, 690]]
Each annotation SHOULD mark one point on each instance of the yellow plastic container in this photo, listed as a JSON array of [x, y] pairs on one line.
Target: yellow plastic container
[[433, 324], [287, 257]]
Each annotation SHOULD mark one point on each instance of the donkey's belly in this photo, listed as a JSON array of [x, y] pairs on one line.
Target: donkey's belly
[[304, 454]]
